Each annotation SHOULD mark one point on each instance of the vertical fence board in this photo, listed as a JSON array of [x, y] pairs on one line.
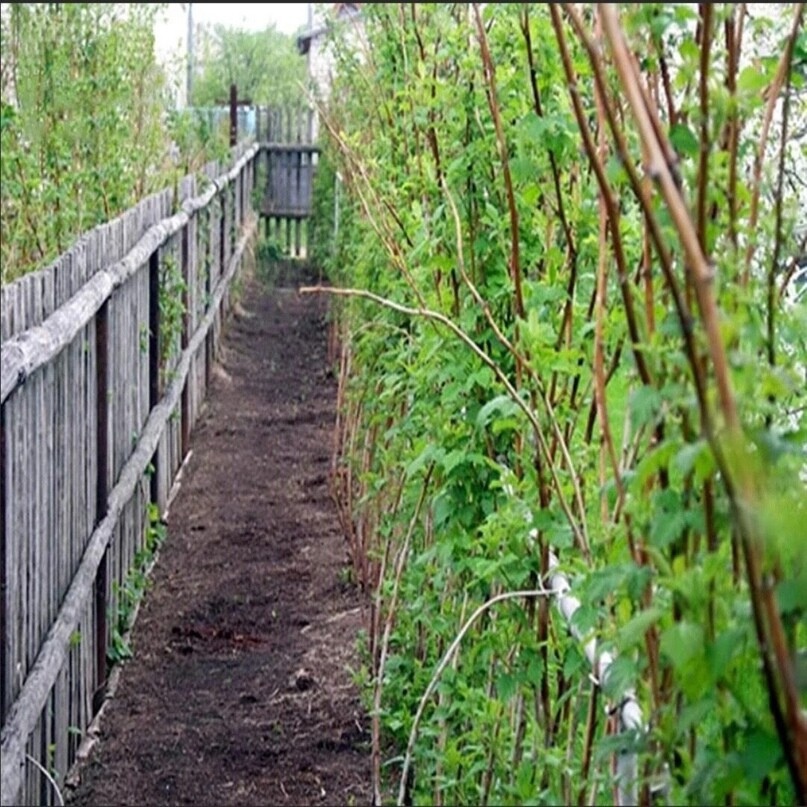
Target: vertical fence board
[[12, 552], [4, 569], [60, 727], [40, 536], [23, 533], [32, 775]]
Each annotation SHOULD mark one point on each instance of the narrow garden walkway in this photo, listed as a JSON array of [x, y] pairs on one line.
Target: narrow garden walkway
[[239, 691]]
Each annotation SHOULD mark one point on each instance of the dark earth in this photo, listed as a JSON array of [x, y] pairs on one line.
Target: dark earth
[[240, 690]]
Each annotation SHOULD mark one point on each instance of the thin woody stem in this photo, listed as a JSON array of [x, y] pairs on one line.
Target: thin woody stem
[[608, 197], [782, 72], [435, 316], [490, 76], [791, 725], [703, 164], [523, 360]]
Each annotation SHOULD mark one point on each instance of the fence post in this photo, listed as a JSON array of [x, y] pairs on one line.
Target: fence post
[[185, 416], [208, 287], [154, 360], [4, 694], [233, 115], [225, 255], [101, 496], [242, 187], [210, 345], [255, 163]]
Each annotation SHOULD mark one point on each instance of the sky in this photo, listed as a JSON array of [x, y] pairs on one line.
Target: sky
[[172, 24]]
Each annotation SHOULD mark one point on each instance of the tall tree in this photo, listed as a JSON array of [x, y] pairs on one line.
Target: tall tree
[[264, 65], [82, 130]]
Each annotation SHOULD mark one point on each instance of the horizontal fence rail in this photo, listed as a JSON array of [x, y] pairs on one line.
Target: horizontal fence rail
[[105, 360]]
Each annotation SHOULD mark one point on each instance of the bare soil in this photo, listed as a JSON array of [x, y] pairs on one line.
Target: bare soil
[[240, 690]]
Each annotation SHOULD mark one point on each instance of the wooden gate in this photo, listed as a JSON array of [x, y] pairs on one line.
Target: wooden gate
[[289, 164]]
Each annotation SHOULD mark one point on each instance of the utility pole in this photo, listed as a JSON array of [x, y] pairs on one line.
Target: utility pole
[[189, 87], [311, 112]]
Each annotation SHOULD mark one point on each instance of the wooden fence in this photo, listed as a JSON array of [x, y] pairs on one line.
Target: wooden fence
[[289, 161], [102, 381]]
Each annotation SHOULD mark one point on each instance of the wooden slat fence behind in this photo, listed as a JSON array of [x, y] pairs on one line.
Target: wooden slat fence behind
[[287, 135], [77, 416]]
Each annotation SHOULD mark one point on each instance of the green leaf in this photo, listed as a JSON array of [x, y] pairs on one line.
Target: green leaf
[[574, 663], [723, 649], [654, 461], [695, 713], [670, 519], [454, 458], [535, 665], [602, 582], [752, 80], [429, 454], [620, 677], [524, 781], [523, 169], [682, 643], [645, 405], [615, 170], [684, 140], [689, 50], [633, 632], [791, 595], [585, 618], [530, 194], [695, 456], [761, 755], [503, 405], [506, 685], [560, 535], [442, 509]]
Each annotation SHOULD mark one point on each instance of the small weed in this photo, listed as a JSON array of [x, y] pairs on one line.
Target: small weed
[[347, 576], [143, 338], [130, 593]]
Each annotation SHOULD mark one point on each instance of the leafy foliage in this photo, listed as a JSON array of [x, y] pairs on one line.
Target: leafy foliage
[[566, 332], [264, 65], [81, 127], [129, 595], [85, 128]]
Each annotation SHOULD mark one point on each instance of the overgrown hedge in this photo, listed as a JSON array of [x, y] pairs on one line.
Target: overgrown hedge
[[84, 127], [565, 243]]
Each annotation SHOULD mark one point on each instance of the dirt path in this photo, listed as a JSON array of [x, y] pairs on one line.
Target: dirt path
[[239, 690]]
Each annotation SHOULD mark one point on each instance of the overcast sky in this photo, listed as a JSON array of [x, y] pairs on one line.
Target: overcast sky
[[172, 24]]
